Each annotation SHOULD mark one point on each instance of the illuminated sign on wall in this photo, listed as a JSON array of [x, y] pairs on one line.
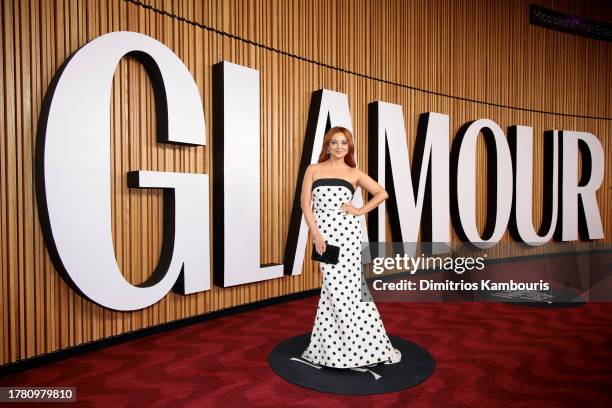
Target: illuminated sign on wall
[[74, 190]]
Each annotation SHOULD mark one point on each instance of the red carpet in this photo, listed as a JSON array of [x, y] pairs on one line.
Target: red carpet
[[487, 355]]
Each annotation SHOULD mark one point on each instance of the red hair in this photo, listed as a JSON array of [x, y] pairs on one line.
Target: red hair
[[350, 156]]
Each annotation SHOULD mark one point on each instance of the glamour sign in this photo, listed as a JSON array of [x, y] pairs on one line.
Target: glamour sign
[[74, 188]]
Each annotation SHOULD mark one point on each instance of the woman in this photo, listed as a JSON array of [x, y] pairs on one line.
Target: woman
[[347, 332]]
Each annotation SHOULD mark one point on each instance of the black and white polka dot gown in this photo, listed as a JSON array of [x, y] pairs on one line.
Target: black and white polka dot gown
[[347, 332]]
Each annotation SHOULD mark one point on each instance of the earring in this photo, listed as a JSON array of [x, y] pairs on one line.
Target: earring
[[327, 151]]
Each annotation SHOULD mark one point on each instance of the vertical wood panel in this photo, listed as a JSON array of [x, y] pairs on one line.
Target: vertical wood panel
[[389, 51]]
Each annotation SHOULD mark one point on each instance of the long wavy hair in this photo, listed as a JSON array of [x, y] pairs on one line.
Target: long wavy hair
[[350, 156]]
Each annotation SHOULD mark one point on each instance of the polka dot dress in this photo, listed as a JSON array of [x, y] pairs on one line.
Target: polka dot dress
[[347, 332]]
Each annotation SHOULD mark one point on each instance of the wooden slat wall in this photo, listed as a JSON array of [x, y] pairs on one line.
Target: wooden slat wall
[[479, 50]]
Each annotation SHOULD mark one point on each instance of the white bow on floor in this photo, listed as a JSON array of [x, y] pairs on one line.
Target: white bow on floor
[[361, 370]]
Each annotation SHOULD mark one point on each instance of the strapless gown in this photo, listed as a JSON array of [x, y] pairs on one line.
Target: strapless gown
[[347, 332]]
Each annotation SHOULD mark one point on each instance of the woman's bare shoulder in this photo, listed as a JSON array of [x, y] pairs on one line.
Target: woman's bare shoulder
[[311, 170], [355, 172], [313, 167]]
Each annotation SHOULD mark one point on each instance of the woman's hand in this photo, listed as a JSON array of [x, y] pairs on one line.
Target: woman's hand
[[348, 208], [319, 243]]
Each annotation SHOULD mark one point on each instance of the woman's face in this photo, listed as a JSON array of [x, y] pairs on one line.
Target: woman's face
[[338, 145]]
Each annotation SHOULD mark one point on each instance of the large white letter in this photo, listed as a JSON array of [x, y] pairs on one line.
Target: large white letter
[[388, 137], [584, 191], [74, 174], [236, 166], [521, 138], [327, 109], [500, 203]]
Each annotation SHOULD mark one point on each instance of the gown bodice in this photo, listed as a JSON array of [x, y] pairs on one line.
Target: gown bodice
[[328, 194]]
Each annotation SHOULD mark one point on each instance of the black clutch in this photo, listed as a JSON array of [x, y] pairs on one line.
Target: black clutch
[[330, 256]]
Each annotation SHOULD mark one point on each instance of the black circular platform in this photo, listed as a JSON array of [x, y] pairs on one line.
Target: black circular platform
[[414, 368]]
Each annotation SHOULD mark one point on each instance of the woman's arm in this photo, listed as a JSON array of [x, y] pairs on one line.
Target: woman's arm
[[306, 204], [376, 190]]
